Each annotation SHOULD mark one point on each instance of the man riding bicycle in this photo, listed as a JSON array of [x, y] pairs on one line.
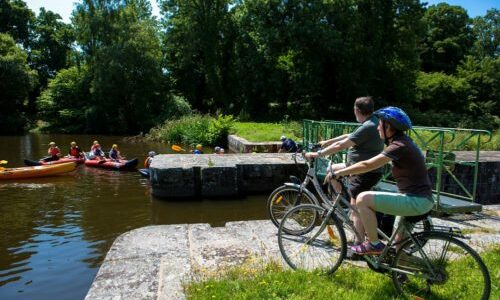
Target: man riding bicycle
[[364, 143], [409, 172]]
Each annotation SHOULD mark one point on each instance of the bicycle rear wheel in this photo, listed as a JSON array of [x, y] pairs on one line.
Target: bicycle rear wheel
[[321, 247], [282, 199], [440, 266]]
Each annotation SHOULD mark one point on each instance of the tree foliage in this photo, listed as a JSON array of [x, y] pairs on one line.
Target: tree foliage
[[16, 80], [448, 38], [117, 69]]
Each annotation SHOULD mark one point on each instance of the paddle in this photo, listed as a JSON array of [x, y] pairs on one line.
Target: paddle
[[177, 148]]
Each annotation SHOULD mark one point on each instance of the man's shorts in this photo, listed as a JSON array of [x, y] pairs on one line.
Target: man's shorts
[[362, 183]]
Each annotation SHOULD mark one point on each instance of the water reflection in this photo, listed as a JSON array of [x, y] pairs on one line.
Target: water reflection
[[56, 231]]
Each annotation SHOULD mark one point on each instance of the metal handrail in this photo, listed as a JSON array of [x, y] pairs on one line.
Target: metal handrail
[[440, 137]]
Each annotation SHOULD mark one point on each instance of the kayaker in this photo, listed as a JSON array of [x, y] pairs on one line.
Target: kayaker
[[198, 150], [114, 154], [53, 152], [97, 152], [217, 150], [93, 146], [221, 151], [75, 151], [149, 159]]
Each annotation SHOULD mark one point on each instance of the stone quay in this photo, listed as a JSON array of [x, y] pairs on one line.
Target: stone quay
[[211, 175]]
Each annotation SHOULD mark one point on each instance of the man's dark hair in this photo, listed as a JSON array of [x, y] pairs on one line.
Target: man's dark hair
[[365, 105]]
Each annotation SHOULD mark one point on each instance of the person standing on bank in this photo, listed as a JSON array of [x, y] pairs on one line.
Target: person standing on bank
[[287, 145], [364, 143]]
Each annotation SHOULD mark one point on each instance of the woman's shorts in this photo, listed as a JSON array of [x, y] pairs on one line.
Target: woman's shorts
[[398, 204]]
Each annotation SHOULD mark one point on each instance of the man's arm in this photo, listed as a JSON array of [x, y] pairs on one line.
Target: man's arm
[[365, 166], [331, 141], [332, 149]]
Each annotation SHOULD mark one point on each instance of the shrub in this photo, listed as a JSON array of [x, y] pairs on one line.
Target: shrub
[[194, 129]]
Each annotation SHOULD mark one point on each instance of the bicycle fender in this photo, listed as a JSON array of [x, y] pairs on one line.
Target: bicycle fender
[[303, 190]]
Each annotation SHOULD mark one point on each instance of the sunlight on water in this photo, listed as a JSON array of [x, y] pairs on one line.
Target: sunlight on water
[[57, 230]]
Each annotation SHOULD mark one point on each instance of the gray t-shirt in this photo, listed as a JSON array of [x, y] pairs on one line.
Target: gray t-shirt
[[367, 142]]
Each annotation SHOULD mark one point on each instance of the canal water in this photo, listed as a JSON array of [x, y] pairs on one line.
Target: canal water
[[56, 231]]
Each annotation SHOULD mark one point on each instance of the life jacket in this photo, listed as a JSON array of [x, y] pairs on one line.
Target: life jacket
[[97, 152], [54, 151], [147, 162], [113, 153], [74, 151]]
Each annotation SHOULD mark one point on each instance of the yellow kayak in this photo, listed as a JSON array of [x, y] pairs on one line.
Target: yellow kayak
[[36, 171]]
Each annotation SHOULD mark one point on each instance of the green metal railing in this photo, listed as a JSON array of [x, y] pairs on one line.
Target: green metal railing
[[438, 145]]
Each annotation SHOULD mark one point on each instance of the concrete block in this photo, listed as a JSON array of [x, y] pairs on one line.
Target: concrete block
[[219, 181]]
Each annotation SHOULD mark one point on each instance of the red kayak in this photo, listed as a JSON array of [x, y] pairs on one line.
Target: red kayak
[[112, 164], [61, 160]]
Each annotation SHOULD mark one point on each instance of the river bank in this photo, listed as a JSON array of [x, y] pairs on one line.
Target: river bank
[[154, 262]]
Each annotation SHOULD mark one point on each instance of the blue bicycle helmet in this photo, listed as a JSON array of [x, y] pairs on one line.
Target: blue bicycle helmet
[[395, 116]]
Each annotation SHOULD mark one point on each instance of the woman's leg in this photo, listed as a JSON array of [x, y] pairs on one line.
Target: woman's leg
[[366, 208]]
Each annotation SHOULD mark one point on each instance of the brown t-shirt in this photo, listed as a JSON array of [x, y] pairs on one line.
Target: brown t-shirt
[[408, 167]]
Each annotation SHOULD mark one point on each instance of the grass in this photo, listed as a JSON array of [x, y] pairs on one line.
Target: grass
[[265, 132], [349, 282]]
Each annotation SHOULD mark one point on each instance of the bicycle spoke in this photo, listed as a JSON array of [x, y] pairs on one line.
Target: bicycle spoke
[[283, 199], [442, 267], [321, 247]]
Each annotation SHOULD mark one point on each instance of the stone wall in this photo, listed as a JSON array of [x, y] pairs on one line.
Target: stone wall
[[211, 175], [238, 144]]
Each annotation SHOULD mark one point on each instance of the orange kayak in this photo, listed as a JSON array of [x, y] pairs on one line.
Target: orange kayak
[[36, 171]]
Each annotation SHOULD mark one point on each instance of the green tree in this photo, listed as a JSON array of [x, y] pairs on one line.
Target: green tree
[[197, 43], [318, 56], [483, 77], [16, 79], [51, 45], [64, 103], [448, 38], [122, 49], [17, 20], [486, 31]]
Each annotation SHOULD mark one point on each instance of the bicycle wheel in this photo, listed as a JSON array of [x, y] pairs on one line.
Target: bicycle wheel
[[441, 267], [321, 247], [282, 199]]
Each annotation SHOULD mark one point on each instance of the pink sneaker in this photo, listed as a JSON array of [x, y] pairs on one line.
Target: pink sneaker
[[367, 248]]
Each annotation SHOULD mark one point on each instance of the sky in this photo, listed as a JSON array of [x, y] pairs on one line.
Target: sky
[[64, 7]]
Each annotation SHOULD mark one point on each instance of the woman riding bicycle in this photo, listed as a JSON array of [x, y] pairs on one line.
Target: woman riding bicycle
[[409, 172]]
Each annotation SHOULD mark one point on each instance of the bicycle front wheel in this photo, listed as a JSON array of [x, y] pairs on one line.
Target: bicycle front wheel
[[440, 266], [320, 247], [282, 199]]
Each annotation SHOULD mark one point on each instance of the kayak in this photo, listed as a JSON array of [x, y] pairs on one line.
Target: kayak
[[113, 165], [37, 171], [61, 160], [144, 172]]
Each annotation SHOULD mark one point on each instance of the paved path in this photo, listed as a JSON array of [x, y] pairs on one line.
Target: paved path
[[153, 262]]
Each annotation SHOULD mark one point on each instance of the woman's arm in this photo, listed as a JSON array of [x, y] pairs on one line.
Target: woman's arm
[[364, 166]]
